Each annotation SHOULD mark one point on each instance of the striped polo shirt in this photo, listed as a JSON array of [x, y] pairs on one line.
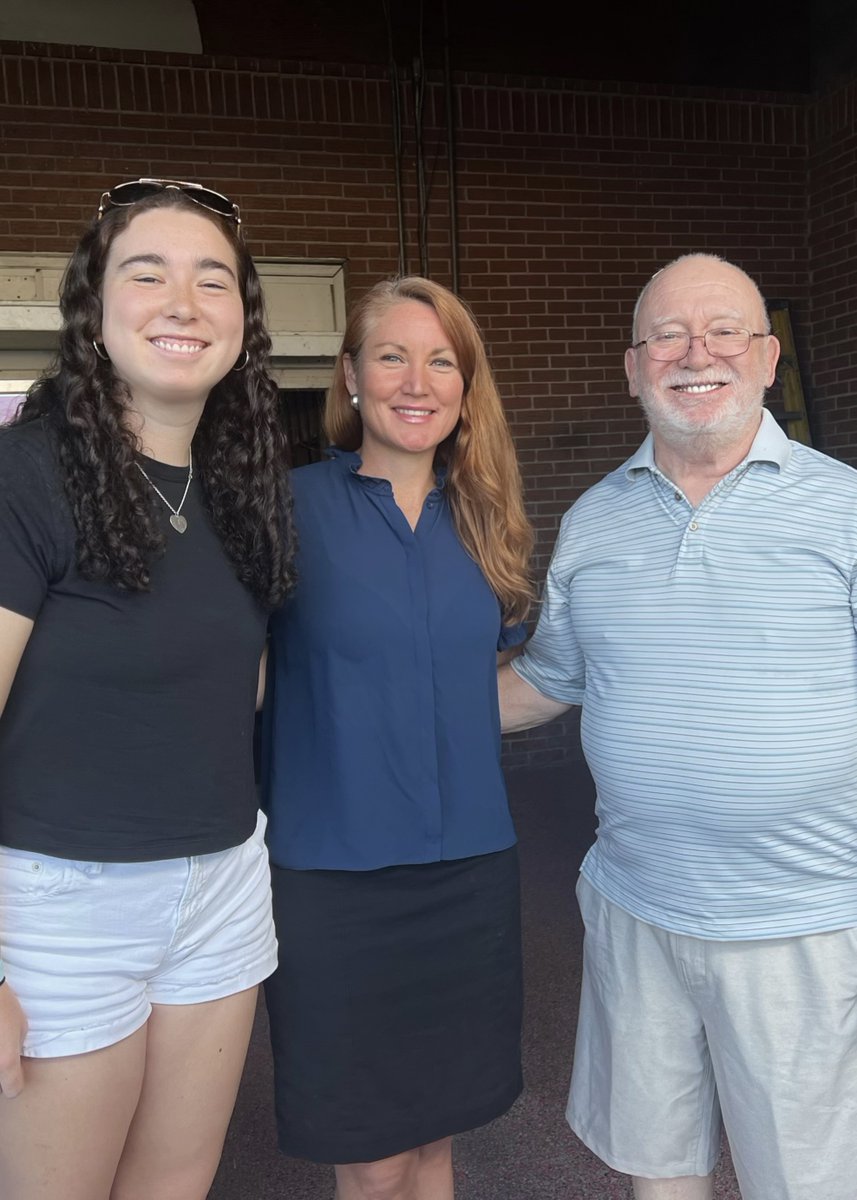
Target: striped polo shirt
[[713, 650]]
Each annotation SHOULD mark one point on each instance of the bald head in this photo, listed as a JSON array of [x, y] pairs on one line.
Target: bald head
[[702, 267]]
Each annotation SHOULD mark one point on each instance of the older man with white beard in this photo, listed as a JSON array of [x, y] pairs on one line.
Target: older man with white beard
[[701, 606]]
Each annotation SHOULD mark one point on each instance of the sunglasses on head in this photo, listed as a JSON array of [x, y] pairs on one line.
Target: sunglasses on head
[[135, 190]]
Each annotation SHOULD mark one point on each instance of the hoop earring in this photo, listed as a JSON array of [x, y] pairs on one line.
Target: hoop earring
[[245, 362], [102, 353], [355, 401]]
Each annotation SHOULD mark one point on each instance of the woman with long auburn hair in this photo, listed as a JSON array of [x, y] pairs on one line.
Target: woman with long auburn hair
[[396, 1007], [145, 535], [483, 482]]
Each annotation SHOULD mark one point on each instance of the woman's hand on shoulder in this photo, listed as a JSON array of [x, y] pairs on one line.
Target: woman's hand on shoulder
[[13, 1027]]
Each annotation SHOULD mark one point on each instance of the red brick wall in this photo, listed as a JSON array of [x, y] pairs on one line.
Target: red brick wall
[[832, 224], [569, 197]]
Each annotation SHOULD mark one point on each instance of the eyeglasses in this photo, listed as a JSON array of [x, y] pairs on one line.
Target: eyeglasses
[[720, 343], [135, 190]]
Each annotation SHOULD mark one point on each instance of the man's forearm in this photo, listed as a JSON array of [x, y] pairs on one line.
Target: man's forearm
[[521, 706]]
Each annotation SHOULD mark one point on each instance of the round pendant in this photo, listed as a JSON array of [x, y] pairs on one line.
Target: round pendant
[[178, 522]]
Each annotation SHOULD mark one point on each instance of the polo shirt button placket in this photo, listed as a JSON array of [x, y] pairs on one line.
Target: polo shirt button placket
[[692, 542]]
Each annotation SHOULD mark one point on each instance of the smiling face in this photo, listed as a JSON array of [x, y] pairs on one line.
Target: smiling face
[[409, 383], [719, 399], [173, 316]]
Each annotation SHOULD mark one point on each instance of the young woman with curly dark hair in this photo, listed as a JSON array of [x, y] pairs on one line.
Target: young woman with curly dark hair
[[145, 536]]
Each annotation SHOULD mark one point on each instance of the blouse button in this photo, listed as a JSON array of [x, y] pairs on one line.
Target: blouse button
[[693, 526]]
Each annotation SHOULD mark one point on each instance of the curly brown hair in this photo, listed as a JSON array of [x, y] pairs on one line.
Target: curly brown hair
[[239, 448], [483, 483]]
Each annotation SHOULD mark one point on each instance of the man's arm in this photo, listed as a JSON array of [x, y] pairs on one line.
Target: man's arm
[[521, 706]]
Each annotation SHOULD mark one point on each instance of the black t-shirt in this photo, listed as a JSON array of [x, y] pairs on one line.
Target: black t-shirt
[[128, 732]]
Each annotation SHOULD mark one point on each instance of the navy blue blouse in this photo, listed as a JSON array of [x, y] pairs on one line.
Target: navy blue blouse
[[382, 729]]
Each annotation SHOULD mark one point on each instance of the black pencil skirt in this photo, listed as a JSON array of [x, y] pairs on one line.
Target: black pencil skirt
[[396, 1008]]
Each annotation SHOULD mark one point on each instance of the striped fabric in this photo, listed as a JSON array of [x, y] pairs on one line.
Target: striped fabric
[[714, 652]]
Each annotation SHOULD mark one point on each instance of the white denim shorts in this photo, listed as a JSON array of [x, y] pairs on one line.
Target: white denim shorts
[[673, 1029], [90, 947]]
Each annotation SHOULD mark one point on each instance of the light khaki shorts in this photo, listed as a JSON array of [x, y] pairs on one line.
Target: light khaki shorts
[[673, 1029]]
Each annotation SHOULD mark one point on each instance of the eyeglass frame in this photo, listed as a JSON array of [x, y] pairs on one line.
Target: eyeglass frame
[[182, 185], [699, 337]]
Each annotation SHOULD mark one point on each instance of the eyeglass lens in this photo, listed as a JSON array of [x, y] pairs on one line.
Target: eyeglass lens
[[722, 343]]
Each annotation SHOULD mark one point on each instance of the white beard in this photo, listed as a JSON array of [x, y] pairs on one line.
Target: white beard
[[685, 423]]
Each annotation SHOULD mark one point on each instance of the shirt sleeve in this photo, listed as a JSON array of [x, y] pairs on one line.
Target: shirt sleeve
[[553, 661], [511, 635], [27, 532]]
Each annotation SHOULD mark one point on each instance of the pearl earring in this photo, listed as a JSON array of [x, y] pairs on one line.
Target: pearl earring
[[355, 401]]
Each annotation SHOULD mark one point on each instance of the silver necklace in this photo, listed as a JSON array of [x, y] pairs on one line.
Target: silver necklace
[[178, 522]]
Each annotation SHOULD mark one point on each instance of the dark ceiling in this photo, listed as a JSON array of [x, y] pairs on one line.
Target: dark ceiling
[[788, 46]]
